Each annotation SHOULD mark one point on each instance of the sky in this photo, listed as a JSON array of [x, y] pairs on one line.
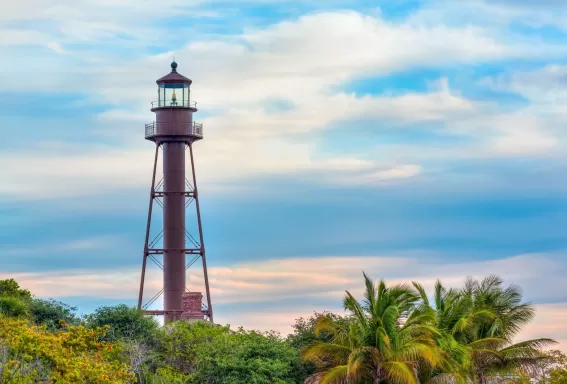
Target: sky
[[410, 139]]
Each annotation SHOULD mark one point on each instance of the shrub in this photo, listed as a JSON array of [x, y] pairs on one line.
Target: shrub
[[75, 355]]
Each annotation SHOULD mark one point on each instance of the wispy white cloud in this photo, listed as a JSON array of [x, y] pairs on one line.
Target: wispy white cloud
[[298, 61], [77, 245], [546, 85], [301, 61], [322, 277], [31, 175], [57, 48], [16, 37], [494, 14]]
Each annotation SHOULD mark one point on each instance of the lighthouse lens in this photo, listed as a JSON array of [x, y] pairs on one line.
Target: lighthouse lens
[[173, 95]]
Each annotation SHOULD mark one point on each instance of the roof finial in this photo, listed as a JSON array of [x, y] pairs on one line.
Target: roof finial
[[173, 65]]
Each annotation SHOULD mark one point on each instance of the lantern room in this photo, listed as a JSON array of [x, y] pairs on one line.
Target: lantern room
[[174, 91]]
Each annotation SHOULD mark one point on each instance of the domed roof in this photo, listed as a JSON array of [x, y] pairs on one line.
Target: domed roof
[[174, 77]]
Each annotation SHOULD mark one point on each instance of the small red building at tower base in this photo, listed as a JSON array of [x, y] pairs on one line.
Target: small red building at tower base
[[192, 306]]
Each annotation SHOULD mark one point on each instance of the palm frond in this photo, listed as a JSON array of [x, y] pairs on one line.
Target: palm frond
[[416, 351], [326, 324], [399, 372], [322, 351], [369, 294], [335, 375], [390, 319], [422, 294], [532, 344], [439, 294], [352, 305], [420, 316]]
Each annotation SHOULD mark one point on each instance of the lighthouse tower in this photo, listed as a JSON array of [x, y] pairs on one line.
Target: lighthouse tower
[[174, 132]]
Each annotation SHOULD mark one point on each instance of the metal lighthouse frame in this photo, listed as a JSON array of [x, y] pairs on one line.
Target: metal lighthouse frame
[[174, 131]]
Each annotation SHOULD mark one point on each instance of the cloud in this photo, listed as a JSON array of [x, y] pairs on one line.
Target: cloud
[[544, 85], [56, 47], [14, 37], [524, 143], [328, 277], [117, 14], [35, 175], [496, 15], [89, 243], [396, 173], [303, 62], [295, 60], [539, 126], [322, 277], [550, 321]]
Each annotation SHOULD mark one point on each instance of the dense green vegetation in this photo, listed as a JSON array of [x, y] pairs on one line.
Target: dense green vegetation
[[396, 334]]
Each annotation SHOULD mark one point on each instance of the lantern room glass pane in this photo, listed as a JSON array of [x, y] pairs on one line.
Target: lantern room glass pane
[[173, 95]]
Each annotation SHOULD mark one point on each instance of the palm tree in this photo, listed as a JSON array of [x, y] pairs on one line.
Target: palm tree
[[478, 325], [452, 315], [389, 341], [491, 337]]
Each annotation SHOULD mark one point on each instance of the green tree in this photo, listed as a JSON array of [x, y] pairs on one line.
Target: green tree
[[13, 307], [556, 370], [52, 313], [204, 353], [304, 334], [14, 300], [126, 323], [491, 336], [178, 343], [390, 339], [247, 357], [304, 330], [11, 288], [477, 326]]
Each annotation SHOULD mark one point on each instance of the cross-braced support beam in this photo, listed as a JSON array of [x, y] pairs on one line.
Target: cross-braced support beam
[[159, 193]]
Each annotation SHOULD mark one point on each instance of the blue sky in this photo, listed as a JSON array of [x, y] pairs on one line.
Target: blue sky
[[410, 139]]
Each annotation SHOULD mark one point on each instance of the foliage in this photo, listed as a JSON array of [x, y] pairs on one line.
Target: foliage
[[304, 334], [11, 288], [74, 355], [246, 357], [125, 323], [556, 376], [17, 370], [398, 336], [304, 330], [179, 341], [13, 307], [168, 375], [554, 369], [390, 338], [52, 313], [202, 353], [480, 322]]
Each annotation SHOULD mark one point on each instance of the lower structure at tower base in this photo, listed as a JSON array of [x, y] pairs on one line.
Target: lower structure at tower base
[[192, 306]]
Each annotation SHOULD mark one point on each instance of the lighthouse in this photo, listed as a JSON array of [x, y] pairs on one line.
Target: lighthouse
[[174, 132]]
